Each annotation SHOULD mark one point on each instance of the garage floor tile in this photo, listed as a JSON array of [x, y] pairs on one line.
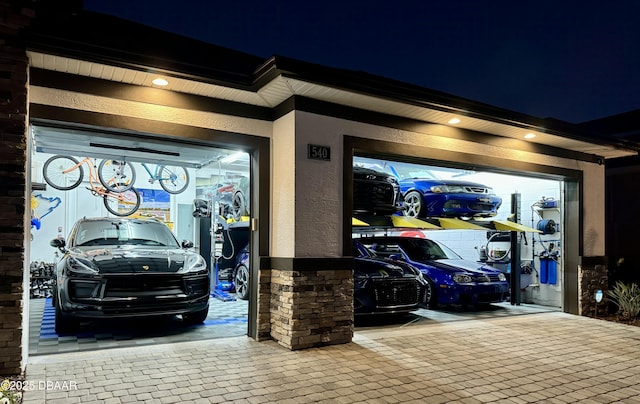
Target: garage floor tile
[[226, 319]]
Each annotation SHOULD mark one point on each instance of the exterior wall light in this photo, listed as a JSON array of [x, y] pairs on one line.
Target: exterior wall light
[[160, 82], [529, 135], [454, 121]]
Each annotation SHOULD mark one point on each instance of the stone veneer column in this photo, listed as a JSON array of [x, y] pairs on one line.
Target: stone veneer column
[[263, 327], [592, 276], [311, 307], [13, 140]]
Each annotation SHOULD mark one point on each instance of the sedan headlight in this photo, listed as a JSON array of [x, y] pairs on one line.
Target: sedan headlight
[[193, 263], [502, 277], [81, 266], [450, 189], [462, 278]]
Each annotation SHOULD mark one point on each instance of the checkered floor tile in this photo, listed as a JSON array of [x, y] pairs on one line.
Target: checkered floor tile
[[226, 319]]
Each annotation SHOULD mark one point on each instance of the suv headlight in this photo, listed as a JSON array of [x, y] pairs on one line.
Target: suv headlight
[[462, 278], [193, 263], [502, 277], [81, 266]]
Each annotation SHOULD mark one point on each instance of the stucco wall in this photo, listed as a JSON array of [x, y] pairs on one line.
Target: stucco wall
[[93, 103], [283, 188], [318, 191], [593, 209]]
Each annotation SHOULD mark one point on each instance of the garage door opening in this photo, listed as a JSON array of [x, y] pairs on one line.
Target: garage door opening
[[461, 238], [118, 281]]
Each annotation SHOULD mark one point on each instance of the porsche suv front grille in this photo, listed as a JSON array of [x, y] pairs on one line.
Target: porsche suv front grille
[[143, 286]]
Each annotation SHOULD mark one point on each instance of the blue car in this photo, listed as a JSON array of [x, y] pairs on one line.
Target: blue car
[[424, 197], [452, 280]]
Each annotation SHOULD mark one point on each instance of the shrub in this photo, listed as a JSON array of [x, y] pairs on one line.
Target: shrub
[[7, 396], [627, 298]]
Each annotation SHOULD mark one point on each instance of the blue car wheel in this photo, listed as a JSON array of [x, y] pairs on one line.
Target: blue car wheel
[[241, 282], [413, 203]]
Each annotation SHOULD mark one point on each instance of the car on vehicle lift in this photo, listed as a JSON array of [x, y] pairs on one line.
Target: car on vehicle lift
[[431, 197], [127, 267], [381, 285], [375, 192], [451, 279]]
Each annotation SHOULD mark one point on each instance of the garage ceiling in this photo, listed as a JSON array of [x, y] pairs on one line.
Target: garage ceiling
[[100, 145]]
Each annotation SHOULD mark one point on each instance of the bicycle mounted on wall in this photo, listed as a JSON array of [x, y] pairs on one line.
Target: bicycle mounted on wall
[[120, 198], [174, 180]]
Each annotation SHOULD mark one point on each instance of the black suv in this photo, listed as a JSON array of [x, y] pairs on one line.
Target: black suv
[[126, 267]]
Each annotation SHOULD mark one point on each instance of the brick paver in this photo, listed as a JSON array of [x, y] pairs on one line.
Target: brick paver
[[546, 357]]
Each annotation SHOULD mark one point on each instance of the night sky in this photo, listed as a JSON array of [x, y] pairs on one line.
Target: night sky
[[566, 59]]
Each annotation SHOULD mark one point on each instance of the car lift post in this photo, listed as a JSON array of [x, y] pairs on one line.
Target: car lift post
[[516, 296]]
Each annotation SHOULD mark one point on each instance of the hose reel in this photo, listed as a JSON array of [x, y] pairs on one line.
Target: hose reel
[[547, 226]]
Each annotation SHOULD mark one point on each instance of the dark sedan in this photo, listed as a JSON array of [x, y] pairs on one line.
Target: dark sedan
[[380, 285], [124, 267], [451, 279], [375, 192]]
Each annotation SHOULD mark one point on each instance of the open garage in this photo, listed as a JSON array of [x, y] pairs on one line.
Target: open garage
[[199, 193]]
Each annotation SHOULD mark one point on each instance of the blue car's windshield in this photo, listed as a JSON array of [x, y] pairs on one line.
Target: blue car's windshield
[[419, 249]]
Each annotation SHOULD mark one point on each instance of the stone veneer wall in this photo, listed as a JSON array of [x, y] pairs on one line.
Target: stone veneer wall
[[264, 305], [311, 308], [592, 276], [13, 142]]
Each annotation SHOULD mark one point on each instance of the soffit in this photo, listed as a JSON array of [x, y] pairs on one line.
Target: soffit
[[281, 88]]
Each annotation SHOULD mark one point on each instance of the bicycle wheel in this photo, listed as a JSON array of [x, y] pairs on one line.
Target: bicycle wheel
[[173, 179], [59, 172], [116, 175], [122, 203]]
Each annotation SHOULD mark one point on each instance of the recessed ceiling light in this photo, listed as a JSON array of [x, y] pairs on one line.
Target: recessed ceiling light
[[160, 82], [529, 135], [454, 121]]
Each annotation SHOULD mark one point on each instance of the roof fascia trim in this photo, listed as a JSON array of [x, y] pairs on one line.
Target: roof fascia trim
[[299, 103], [131, 92], [368, 84]]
